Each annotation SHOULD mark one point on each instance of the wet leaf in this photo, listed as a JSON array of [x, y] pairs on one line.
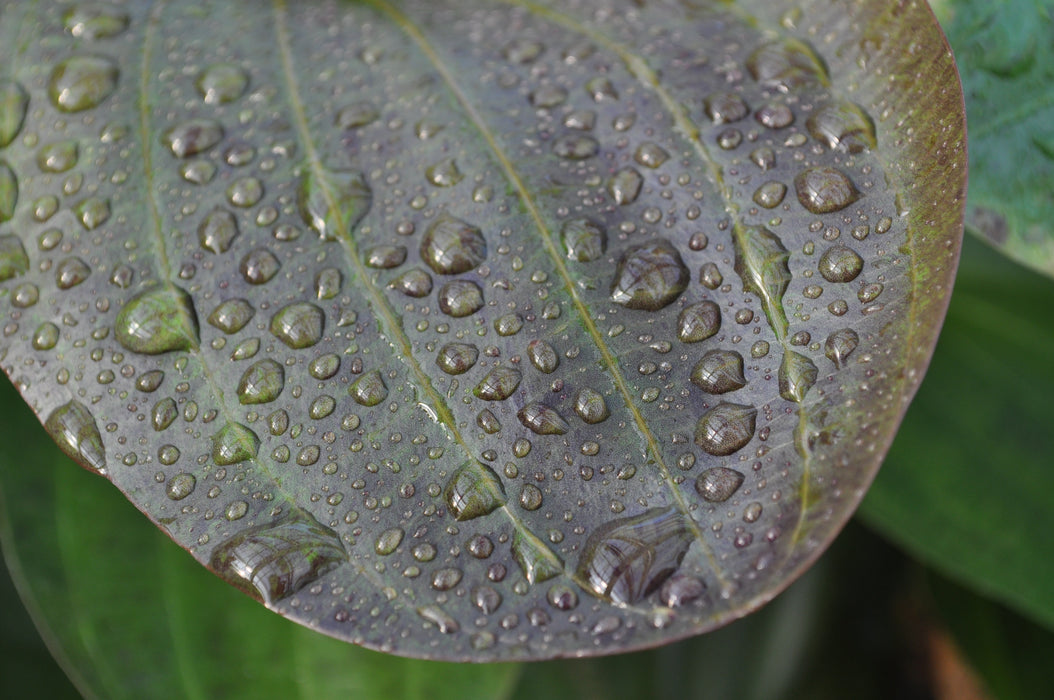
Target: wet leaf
[[1005, 53], [406, 366]]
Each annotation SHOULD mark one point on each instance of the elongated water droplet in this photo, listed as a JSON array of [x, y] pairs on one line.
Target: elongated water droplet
[[649, 276], [542, 420], [719, 371], [445, 173], [234, 443], [542, 356], [164, 413], [13, 258], [626, 560], [261, 383], [787, 64], [796, 376], [844, 126], [389, 541], [272, 562], [82, 82], [840, 345], [624, 186], [333, 202], [57, 157], [474, 490], [726, 428], [415, 283], [299, 325], [14, 101], [451, 246], [443, 621], [499, 384], [158, 320], [8, 191], [356, 115], [537, 561], [72, 426], [218, 230], [761, 262], [95, 20]]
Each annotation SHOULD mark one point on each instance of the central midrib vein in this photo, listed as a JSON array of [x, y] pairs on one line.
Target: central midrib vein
[[411, 30]]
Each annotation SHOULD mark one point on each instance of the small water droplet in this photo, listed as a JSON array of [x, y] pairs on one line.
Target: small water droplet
[[796, 376], [245, 192], [530, 497], [542, 420], [8, 191], [601, 89], [770, 194], [575, 146], [499, 384], [699, 321], [725, 107], [232, 315], [415, 283], [457, 358], [356, 115], [388, 541], [590, 406], [625, 185], [509, 324], [542, 356], [584, 239], [445, 173], [261, 383], [180, 486]]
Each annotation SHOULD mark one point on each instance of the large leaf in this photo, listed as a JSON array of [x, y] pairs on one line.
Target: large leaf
[[1005, 51], [128, 618], [968, 485], [475, 329]]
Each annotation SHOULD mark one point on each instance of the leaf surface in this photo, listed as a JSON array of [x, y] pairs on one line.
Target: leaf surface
[[399, 315]]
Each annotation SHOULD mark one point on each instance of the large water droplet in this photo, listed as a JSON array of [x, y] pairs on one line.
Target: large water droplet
[[542, 420], [14, 101], [460, 298], [719, 371], [823, 190], [13, 258], [843, 125], [726, 428], [299, 325], [445, 173], [718, 484], [626, 560], [272, 562], [575, 146], [725, 107], [73, 428], [369, 389], [840, 263], [698, 321], [796, 376], [193, 137], [70, 272], [356, 115], [158, 320], [261, 383], [499, 384], [8, 191], [95, 20], [221, 83], [474, 490], [584, 239], [786, 64], [590, 406], [82, 82], [451, 246], [218, 230], [649, 276], [840, 345], [259, 266], [537, 561], [232, 315], [234, 443], [761, 262], [543, 356], [333, 202], [624, 186], [414, 283], [57, 157]]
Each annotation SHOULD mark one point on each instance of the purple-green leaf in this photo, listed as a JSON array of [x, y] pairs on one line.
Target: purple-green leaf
[[481, 330]]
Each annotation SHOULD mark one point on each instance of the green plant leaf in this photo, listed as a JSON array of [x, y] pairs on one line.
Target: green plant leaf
[[487, 330], [129, 615], [1005, 53], [967, 485]]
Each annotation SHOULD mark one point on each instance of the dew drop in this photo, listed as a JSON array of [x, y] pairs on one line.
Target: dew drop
[[82, 82], [13, 258], [451, 246], [590, 406], [356, 115], [726, 428], [245, 192], [457, 358], [95, 20], [649, 276], [698, 321], [57, 157], [530, 497], [840, 263], [164, 413], [299, 325], [718, 484], [575, 146], [231, 316], [499, 384], [537, 561], [385, 257], [625, 185], [158, 320], [180, 486], [840, 345], [217, 231], [149, 382], [786, 65], [388, 541], [221, 83], [72, 426], [460, 298], [584, 240], [509, 324], [796, 376], [823, 190], [445, 173], [8, 191], [719, 372], [261, 383], [542, 356], [650, 155], [770, 194], [415, 283], [46, 336], [725, 107], [333, 202], [93, 212], [369, 389], [234, 443], [192, 137], [14, 101], [843, 126], [474, 490], [542, 420]]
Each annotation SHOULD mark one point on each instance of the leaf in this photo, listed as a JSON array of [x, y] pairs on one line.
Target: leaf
[[967, 486], [1006, 58], [391, 317], [130, 616]]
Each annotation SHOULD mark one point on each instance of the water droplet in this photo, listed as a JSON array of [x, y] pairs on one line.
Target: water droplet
[[164, 413], [537, 561], [486, 599], [624, 186], [575, 146], [698, 321], [710, 276], [509, 324], [649, 276], [158, 320], [261, 383], [725, 107], [24, 295], [92, 212], [57, 157], [46, 336], [149, 382], [356, 115], [770, 194], [840, 263], [73, 428], [718, 484], [322, 406], [761, 262], [460, 298], [499, 384], [451, 246], [180, 486], [234, 443], [192, 137], [627, 559], [457, 358], [726, 428], [719, 372], [333, 202], [840, 345], [474, 490], [823, 190], [786, 65], [236, 510], [218, 230], [542, 420], [385, 257], [272, 562], [775, 115], [590, 406], [8, 191], [796, 376], [584, 239], [168, 454], [245, 192], [440, 618], [13, 258], [221, 83], [246, 349], [299, 325], [445, 173], [414, 283], [232, 315], [199, 172], [14, 101], [82, 82], [650, 155], [548, 96], [681, 589], [95, 20], [843, 126], [542, 356], [523, 51], [601, 89], [369, 389], [70, 272], [530, 497], [388, 541]]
